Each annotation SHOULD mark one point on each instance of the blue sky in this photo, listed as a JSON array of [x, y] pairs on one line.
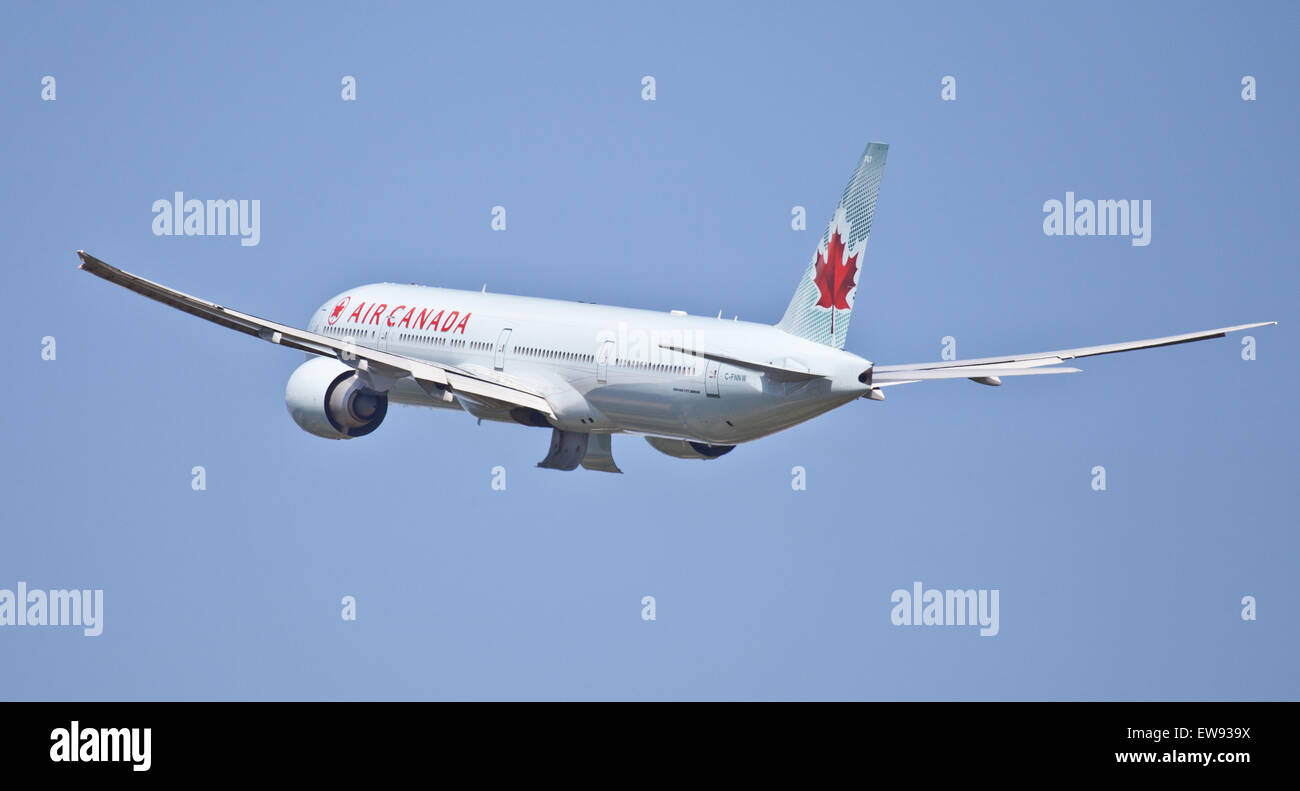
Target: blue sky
[[762, 592]]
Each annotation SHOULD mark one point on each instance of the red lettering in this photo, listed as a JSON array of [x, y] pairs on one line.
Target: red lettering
[[433, 323], [391, 312], [451, 319], [374, 317], [463, 322], [421, 317], [406, 321], [356, 314]]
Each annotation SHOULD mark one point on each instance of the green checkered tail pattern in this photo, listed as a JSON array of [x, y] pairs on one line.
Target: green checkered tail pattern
[[823, 300]]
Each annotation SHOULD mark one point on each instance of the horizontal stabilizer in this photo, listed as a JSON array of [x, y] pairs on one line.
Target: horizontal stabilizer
[[778, 369]]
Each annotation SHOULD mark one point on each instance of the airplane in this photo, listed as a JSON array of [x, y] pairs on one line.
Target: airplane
[[694, 387]]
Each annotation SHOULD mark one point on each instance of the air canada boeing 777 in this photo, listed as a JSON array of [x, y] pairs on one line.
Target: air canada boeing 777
[[694, 387]]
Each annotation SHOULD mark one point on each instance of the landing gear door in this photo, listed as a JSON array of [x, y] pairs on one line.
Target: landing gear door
[[711, 379], [503, 340], [603, 356]]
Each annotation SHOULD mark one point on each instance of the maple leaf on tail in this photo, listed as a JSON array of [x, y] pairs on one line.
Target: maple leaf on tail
[[835, 273]]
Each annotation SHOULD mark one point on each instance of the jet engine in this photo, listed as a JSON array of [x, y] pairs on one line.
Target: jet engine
[[326, 398], [685, 449]]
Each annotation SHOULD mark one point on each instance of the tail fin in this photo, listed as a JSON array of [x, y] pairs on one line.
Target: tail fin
[[823, 300]]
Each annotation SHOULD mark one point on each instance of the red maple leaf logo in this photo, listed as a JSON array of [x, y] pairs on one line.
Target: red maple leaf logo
[[835, 272], [338, 309]]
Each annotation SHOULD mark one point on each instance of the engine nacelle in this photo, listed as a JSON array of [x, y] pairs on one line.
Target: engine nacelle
[[685, 449], [326, 398]]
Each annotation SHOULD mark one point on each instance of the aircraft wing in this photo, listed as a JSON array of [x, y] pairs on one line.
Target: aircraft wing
[[433, 378], [993, 368]]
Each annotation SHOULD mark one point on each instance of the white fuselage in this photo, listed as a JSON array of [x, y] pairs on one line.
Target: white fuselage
[[602, 368]]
